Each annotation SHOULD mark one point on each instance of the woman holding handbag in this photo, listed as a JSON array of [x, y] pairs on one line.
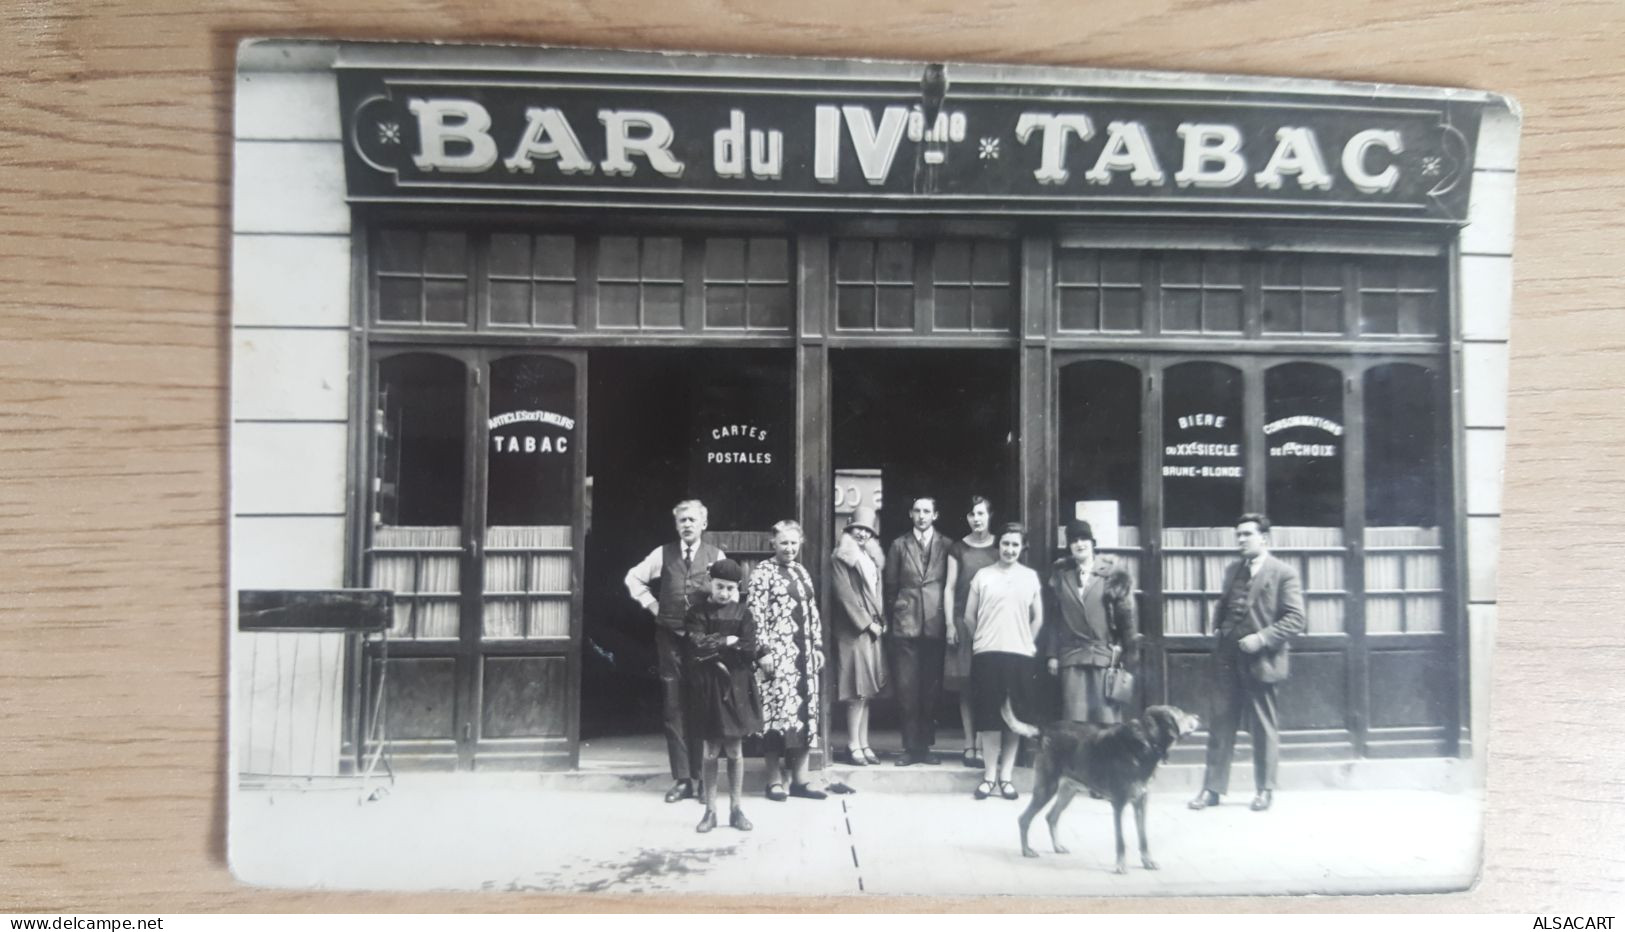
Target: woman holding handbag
[[1089, 624]]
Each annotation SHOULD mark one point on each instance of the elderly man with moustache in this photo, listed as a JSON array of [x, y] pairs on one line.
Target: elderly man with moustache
[[681, 569]]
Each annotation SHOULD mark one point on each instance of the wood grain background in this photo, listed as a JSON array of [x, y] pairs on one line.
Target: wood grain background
[[114, 208]]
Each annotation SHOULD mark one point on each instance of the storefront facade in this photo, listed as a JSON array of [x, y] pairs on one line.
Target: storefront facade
[[579, 287]]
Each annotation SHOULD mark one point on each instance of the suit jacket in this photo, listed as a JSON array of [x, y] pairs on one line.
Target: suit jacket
[[1274, 612], [1072, 634], [914, 585]]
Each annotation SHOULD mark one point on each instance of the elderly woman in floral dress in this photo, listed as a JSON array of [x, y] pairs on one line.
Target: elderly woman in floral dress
[[784, 602]]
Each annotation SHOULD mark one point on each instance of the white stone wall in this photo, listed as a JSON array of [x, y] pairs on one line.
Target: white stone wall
[[1486, 311], [290, 287]]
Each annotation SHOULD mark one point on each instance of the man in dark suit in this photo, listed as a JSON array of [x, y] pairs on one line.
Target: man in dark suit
[[1259, 611], [916, 572]]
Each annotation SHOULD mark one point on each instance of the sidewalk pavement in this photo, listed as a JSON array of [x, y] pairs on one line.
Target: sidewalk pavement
[[500, 832]]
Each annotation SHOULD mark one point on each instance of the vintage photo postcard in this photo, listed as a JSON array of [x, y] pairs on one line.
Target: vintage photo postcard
[[688, 474]]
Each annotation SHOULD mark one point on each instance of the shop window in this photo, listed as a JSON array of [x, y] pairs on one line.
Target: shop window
[[640, 283], [747, 284], [874, 284], [420, 423], [1202, 488], [1304, 440], [1201, 292], [1399, 297], [1403, 568], [972, 285], [1099, 454], [1098, 291], [530, 497], [1302, 295], [422, 277], [532, 280]]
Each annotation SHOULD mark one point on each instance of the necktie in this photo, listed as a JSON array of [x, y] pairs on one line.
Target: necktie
[[688, 557]]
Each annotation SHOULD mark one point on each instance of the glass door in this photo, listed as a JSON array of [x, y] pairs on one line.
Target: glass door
[[476, 492]]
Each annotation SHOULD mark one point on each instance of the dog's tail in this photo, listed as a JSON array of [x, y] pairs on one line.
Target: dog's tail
[[1017, 725]]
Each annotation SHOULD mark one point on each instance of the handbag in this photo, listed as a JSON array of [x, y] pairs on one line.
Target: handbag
[[1118, 683]]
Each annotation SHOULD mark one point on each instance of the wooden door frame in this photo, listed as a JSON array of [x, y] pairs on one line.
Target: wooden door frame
[[468, 652]]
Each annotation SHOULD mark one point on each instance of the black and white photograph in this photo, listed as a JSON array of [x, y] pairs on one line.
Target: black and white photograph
[[695, 474]]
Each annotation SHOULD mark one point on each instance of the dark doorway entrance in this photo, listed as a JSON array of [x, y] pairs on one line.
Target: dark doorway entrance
[[669, 425], [933, 422]]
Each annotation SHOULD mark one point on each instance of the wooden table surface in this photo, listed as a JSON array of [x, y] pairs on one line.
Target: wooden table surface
[[115, 157]]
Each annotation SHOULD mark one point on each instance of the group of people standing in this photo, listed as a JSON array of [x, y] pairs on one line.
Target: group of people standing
[[968, 615], [925, 615]]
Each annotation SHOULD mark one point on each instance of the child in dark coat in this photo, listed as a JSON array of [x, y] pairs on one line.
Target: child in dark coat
[[723, 700]]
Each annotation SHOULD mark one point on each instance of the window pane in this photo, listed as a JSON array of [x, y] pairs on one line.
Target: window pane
[[769, 260], [1122, 311], [951, 262], [1181, 309], [1224, 269], [400, 251], [855, 307], [990, 263], [1418, 274], [1401, 446], [1379, 312], [1379, 273], [1416, 314], [1181, 269], [445, 302], [1078, 266], [894, 262], [510, 302], [662, 258], [618, 258], [399, 299], [1323, 312], [1202, 435], [510, 255], [618, 305], [1303, 438], [725, 260], [1281, 270], [1223, 312], [953, 307], [420, 435], [725, 306], [1202, 484], [446, 254], [663, 306], [1282, 310], [1322, 273], [769, 307], [855, 260], [1120, 268], [1080, 309], [896, 308], [994, 309], [556, 257], [1099, 443], [532, 458], [555, 305]]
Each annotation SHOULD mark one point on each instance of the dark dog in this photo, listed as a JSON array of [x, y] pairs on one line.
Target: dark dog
[[1115, 761]]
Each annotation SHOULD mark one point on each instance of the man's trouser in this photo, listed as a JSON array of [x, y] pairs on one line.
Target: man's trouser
[[1237, 695], [685, 758], [917, 680]]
